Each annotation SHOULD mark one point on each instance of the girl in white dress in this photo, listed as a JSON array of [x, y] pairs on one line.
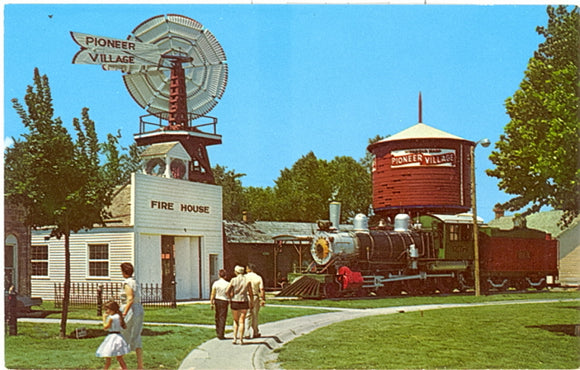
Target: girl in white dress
[[114, 345]]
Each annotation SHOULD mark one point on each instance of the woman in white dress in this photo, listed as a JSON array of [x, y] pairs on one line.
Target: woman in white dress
[[132, 311], [114, 345]]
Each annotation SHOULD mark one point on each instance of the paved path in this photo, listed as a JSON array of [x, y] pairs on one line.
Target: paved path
[[259, 353]]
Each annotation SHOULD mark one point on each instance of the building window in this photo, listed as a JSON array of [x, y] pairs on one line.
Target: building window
[[453, 232], [98, 260], [39, 260]]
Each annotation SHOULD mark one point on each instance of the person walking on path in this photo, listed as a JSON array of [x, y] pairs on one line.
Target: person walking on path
[[240, 292], [132, 311], [219, 302], [259, 294], [114, 345]]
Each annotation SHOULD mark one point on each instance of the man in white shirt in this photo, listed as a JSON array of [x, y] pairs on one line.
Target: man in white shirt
[[252, 317], [219, 302]]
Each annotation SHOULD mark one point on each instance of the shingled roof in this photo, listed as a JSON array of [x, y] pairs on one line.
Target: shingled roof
[[120, 209], [260, 232]]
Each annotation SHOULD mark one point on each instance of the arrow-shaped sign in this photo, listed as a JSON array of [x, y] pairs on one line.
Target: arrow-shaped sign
[[106, 51]]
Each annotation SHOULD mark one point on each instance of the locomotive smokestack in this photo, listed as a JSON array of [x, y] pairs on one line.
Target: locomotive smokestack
[[334, 211]]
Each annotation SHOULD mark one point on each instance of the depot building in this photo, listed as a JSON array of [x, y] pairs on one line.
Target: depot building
[[170, 229]]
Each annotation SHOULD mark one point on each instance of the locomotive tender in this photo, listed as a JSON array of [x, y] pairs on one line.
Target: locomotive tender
[[433, 254]]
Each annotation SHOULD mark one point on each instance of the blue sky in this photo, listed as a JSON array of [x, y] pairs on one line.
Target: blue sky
[[321, 78]]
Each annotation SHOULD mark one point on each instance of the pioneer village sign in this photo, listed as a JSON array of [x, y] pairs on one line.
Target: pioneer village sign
[[168, 220], [106, 50]]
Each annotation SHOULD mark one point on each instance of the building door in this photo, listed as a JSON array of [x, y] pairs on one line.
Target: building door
[[187, 268], [10, 263], [213, 268], [168, 267]]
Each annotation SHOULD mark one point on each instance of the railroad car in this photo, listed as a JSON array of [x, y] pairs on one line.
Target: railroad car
[[431, 254]]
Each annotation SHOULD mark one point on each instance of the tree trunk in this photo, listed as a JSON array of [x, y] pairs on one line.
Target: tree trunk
[[66, 295]]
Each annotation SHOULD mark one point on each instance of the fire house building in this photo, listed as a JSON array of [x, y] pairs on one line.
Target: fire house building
[[168, 227]]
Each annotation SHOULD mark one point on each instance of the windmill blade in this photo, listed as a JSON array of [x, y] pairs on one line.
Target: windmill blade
[[206, 75]]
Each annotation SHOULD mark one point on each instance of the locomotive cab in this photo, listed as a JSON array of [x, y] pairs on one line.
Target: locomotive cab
[[453, 234]]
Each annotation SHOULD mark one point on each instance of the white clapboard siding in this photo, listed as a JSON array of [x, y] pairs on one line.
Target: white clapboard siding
[[176, 206], [120, 244]]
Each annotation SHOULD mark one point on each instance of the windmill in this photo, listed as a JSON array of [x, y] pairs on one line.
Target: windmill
[[176, 70]]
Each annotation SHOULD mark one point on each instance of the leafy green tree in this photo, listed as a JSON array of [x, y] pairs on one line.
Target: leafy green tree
[[58, 180], [123, 163], [304, 191], [351, 184], [232, 192], [537, 158], [261, 203]]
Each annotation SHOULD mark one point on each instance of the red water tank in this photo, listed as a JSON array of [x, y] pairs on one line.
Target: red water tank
[[419, 170]]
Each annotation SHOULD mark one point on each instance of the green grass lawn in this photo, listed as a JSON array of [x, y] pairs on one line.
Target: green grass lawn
[[164, 346], [522, 336], [38, 347], [527, 336]]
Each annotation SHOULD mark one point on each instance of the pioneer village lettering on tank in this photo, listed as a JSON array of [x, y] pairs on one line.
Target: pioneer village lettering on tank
[[423, 157]]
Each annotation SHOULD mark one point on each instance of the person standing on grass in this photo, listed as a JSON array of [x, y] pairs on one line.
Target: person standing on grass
[[114, 345], [240, 292], [132, 311], [259, 293], [219, 302]]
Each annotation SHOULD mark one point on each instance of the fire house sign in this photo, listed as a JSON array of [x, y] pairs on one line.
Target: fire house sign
[[107, 50]]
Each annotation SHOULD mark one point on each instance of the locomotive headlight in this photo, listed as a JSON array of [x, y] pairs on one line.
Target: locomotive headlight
[[321, 250]]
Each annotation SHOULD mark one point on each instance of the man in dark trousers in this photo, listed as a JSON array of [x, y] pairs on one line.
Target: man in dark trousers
[[219, 302]]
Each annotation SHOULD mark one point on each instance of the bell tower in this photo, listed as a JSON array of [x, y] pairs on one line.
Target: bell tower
[[169, 160]]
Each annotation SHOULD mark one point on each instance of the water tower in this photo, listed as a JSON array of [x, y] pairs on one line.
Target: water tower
[[421, 170]]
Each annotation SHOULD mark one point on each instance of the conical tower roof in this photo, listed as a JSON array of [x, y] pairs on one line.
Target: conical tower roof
[[421, 131]]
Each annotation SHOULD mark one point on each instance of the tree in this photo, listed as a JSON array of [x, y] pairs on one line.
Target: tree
[[537, 158], [60, 182], [232, 192], [262, 204], [352, 186], [304, 191]]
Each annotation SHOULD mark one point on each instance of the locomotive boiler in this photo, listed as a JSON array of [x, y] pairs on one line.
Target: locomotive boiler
[[431, 254]]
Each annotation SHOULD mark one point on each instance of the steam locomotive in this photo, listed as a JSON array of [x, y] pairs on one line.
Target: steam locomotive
[[430, 254]]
